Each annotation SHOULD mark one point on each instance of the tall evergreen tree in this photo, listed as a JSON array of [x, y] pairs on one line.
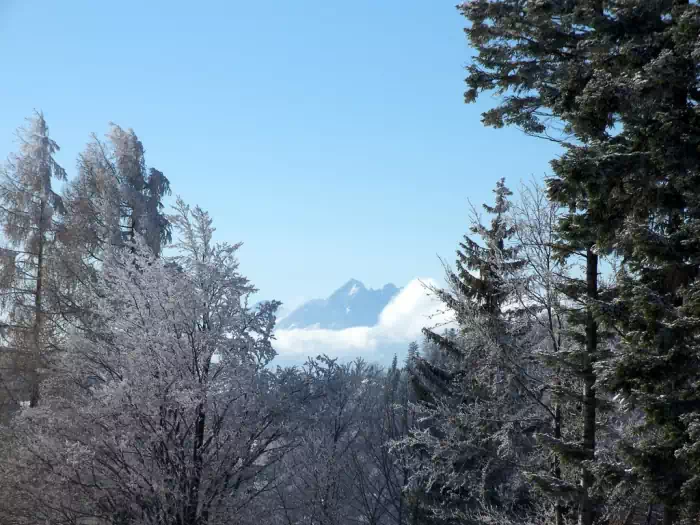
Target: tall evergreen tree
[[654, 161], [621, 77], [29, 216], [544, 58], [462, 448]]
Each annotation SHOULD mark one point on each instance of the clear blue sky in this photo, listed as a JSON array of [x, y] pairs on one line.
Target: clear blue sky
[[330, 137]]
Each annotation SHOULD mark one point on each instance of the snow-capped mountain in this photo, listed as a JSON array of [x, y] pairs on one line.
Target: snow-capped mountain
[[352, 304]]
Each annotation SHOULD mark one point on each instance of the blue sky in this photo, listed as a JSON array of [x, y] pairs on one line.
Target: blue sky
[[331, 138]]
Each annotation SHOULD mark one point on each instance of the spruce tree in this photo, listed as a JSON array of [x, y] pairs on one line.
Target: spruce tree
[[466, 396], [621, 79], [654, 162], [545, 59], [481, 269]]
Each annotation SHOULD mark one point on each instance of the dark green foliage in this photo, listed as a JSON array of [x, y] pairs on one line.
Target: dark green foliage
[[617, 81], [491, 262]]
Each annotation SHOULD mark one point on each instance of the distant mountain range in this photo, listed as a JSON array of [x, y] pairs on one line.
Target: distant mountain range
[[353, 304]]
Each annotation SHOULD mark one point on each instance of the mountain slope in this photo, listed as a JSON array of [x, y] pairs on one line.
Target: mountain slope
[[351, 305]]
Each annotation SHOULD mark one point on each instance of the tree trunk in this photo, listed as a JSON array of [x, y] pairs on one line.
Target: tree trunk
[[190, 514], [670, 515], [36, 329], [650, 508], [585, 514], [558, 516]]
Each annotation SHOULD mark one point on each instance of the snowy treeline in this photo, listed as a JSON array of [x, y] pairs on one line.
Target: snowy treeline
[[136, 385]]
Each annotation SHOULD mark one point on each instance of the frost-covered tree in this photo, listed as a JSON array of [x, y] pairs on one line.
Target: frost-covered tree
[[544, 58], [115, 196], [340, 468], [320, 480], [164, 412], [471, 414], [538, 300], [654, 163], [378, 476], [541, 290], [620, 79], [481, 269], [502, 407], [29, 216]]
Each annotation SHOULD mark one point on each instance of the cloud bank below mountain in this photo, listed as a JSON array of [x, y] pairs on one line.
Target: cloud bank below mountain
[[400, 322]]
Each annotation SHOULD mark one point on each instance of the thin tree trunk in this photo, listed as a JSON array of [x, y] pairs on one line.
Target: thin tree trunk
[[38, 314], [190, 517], [650, 508], [585, 515], [403, 434], [558, 516]]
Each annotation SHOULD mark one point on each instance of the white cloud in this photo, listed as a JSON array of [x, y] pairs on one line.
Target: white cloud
[[399, 323]]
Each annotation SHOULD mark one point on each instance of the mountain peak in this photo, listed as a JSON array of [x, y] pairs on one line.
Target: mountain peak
[[353, 304], [353, 282], [350, 288]]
